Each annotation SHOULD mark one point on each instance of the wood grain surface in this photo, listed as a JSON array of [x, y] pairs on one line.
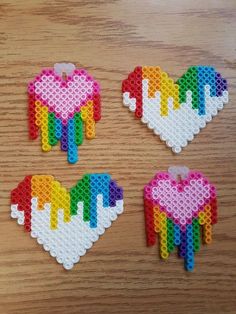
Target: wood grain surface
[[109, 38]]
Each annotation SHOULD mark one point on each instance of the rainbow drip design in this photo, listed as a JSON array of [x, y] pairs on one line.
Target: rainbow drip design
[[175, 110], [177, 211], [66, 223], [194, 80], [61, 107]]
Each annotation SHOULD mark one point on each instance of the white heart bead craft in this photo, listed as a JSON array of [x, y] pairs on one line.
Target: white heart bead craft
[[175, 111], [66, 224]]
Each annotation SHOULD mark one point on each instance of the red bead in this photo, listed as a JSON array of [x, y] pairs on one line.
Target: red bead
[[133, 85], [33, 129], [149, 223]]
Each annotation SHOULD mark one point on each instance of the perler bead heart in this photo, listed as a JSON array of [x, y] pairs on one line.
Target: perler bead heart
[[178, 210], [65, 223], [175, 111], [60, 106]]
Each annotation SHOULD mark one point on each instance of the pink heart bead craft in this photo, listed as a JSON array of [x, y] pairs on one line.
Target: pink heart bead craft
[[177, 210], [62, 106], [66, 224], [175, 111]]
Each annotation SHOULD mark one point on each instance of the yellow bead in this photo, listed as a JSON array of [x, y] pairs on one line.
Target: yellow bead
[[60, 200], [44, 129], [156, 212]]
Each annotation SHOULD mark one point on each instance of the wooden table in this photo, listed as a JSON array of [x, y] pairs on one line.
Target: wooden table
[[109, 38]]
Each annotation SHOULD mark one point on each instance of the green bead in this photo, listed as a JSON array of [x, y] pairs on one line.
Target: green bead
[[78, 129], [170, 235], [189, 82], [51, 129], [84, 196], [196, 235], [81, 193], [73, 201]]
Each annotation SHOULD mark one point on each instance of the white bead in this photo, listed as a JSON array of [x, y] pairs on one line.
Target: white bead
[[70, 240], [180, 125]]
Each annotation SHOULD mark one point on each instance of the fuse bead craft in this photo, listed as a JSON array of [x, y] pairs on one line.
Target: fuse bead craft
[[175, 111], [180, 213], [66, 223], [61, 107]]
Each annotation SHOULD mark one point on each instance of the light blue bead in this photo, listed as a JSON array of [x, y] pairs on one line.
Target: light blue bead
[[72, 148], [96, 189], [177, 239], [58, 129], [189, 257], [206, 76]]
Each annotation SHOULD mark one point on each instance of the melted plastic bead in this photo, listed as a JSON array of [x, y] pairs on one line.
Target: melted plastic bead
[[60, 106], [177, 210], [66, 223], [175, 111]]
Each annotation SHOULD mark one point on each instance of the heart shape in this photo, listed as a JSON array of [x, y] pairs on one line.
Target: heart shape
[[181, 201], [65, 223], [176, 210], [59, 107], [175, 111]]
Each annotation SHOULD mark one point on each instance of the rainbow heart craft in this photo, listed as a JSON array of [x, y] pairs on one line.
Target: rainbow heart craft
[[175, 111], [66, 223], [61, 106], [177, 211], [180, 205]]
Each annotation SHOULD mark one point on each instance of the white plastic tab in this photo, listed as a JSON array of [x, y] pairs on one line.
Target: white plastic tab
[[61, 68], [178, 171]]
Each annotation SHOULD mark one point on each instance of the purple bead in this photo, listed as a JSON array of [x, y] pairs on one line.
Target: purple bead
[[221, 84], [112, 194], [119, 193], [182, 247], [64, 141]]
